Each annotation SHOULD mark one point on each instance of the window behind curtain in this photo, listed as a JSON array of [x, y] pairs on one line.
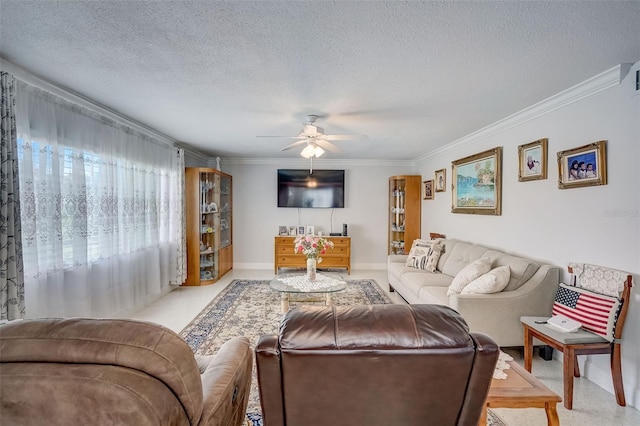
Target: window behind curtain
[[101, 208]]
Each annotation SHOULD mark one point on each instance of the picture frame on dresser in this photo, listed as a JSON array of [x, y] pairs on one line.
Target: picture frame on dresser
[[283, 230], [476, 183], [311, 230], [532, 159], [301, 230], [583, 166], [293, 231]]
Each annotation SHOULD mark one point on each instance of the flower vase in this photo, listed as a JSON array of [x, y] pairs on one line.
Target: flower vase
[[311, 269]]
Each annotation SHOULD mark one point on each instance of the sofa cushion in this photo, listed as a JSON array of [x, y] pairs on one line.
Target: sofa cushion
[[522, 269], [434, 295], [469, 273], [493, 281], [460, 256], [424, 255]]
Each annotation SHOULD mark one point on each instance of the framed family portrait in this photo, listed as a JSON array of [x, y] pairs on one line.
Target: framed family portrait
[[293, 231], [477, 183], [311, 230], [441, 180], [532, 159], [283, 230], [428, 189], [583, 166], [301, 230]]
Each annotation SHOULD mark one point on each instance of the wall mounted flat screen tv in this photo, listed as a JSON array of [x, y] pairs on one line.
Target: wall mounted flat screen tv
[[320, 189]]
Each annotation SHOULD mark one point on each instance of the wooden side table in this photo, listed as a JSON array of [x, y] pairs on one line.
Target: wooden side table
[[522, 390]]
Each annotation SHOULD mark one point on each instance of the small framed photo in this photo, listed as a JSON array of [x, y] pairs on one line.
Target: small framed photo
[[428, 189], [283, 230], [441, 180], [311, 230], [476, 183], [583, 166], [532, 158], [293, 231], [301, 230]]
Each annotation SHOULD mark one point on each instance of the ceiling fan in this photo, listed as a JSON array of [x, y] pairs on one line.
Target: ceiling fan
[[314, 139]]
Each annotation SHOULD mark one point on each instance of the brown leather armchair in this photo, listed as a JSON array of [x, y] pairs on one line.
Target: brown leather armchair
[[374, 365], [117, 372]]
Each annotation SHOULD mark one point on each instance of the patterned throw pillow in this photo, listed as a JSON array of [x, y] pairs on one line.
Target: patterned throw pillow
[[467, 274], [596, 312], [424, 255]]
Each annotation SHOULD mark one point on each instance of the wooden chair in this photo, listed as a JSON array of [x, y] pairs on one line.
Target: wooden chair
[[585, 342]]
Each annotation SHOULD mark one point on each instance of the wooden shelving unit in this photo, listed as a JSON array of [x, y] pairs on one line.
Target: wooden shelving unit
[[208, 197], [404, 212]]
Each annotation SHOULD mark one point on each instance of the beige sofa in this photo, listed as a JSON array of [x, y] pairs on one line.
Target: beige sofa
[[530, 290], [82, 371]]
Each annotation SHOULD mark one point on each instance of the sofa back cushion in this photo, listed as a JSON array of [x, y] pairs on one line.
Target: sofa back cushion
[[459, 256], [522, 269]]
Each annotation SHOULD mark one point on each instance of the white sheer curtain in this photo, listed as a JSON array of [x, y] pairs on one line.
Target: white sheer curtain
[[102, 210]]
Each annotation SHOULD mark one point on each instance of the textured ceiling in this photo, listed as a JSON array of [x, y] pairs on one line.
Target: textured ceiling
[[412, 76]]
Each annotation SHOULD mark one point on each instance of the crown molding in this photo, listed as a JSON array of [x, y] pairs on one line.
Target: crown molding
[[78, 99], [603, 81], [317, 163]]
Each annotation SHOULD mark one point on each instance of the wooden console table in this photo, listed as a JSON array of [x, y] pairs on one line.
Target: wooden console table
[[338, 257]]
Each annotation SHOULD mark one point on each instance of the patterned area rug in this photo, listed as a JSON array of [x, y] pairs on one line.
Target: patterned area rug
[[250, 308]]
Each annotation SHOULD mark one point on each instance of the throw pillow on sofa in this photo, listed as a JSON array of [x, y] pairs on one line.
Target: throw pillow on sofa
[[424, 254], [469, 273], [493, 281]]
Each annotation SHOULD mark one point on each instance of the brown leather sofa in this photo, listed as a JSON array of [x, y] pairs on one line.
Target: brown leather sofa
[[117, 372], [374, 365]]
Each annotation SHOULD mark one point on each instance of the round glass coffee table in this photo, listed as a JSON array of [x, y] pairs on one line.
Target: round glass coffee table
[[292, 283]]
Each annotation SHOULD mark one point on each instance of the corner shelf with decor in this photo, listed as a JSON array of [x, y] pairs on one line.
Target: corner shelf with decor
[[404, 212], [208, 197]]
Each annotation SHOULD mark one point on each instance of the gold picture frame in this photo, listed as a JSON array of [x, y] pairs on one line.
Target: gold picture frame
[[532, 160], [440, 180], [583, 166], [476, 183], [428, 189]]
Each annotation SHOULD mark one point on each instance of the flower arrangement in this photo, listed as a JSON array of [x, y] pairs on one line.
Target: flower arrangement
[[312, 247]]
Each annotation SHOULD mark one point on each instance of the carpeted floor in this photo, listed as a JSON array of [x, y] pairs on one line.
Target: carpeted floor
[[250, 308]]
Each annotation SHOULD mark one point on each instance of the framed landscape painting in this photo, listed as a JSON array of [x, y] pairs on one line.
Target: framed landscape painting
[[532, 159], [477, 183], [583, 166]]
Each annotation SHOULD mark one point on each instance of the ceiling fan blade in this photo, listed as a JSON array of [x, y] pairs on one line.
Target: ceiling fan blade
[[327, 145], [293, 145], [344, 137], [288, 137]]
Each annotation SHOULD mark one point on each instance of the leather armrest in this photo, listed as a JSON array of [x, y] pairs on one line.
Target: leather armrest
[[487, 352], [270, 380]]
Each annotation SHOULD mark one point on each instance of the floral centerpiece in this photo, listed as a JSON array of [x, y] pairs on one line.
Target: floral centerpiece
[[311, 246]]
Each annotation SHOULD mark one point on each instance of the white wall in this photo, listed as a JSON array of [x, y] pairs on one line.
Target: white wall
[[598, 225], [256, 216]]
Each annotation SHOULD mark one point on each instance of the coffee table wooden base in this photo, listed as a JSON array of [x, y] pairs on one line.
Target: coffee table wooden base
[[522, 390]]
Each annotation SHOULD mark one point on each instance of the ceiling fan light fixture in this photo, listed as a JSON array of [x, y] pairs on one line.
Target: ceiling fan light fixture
[[308, 152]]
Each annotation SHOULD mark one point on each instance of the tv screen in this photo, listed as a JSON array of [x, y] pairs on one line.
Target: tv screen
[[320, 189]]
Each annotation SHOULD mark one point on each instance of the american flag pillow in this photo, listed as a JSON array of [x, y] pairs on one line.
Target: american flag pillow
[[596, 312]]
